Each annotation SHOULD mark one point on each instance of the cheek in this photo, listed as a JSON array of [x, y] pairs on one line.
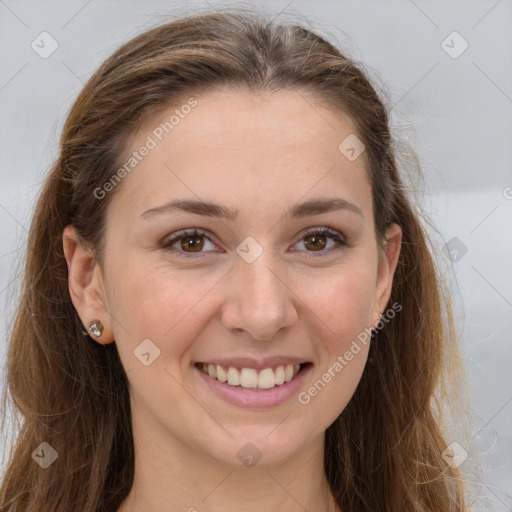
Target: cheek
[[344, 306], [343, 301], [161, 304]]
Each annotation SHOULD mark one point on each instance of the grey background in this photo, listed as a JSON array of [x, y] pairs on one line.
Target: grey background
[[457, 112]]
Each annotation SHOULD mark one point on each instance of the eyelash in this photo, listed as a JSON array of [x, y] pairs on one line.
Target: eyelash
[[191, 232]]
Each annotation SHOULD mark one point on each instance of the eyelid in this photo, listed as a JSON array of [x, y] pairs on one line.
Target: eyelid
[[323, 230], [335, 235]]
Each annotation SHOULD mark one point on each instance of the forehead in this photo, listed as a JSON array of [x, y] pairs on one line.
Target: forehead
[[242, 145]]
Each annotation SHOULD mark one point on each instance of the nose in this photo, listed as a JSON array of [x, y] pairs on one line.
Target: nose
[[259, 301]]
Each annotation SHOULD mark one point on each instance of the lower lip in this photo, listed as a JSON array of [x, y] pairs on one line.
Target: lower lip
[[252, 397]]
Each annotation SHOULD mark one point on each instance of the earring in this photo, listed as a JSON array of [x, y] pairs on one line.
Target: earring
[[96, 327]]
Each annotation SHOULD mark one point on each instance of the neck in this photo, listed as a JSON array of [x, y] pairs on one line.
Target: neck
[[173, 473]]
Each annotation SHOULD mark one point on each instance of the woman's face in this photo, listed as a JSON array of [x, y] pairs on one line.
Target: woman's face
[[251, 290]]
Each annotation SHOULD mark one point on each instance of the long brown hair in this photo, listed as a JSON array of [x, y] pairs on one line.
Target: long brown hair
[[384, 451]]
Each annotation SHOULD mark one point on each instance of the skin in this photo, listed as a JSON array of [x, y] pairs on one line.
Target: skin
[[259, 154]]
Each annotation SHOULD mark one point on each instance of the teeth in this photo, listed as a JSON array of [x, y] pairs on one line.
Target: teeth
[[279, 375], [212, 371], [266, 379], [233, 376], [221, 374], [288, 373], [250, 378]]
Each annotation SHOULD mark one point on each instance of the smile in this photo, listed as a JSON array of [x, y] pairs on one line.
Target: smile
[[266, 378]]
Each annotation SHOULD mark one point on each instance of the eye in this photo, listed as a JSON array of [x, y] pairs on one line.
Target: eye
[[189, 242], [317, 240]]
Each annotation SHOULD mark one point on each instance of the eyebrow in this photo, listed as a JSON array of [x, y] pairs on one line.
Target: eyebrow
[[209, 209]]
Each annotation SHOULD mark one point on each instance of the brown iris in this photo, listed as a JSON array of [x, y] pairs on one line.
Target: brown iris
[[195, 246], [318, 241]]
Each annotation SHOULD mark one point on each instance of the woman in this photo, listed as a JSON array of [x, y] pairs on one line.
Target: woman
[[229, 299]]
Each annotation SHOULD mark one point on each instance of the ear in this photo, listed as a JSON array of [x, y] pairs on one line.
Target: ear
[[388, 260], [85, 284]]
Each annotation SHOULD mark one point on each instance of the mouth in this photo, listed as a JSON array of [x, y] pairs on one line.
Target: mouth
[[251, 378]]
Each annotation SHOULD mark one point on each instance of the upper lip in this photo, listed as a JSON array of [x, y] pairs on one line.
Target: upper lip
[[257, 364]]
